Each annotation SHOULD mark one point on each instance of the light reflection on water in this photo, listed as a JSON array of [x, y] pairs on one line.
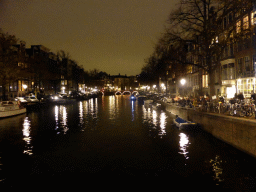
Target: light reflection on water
[[217, 169], [156, 118], [81, 114], [111, 109], [26, 136], [184, 143], [133, 110], [61, 119]]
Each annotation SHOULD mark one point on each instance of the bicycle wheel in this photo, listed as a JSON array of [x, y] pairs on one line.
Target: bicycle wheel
[[242, 113]]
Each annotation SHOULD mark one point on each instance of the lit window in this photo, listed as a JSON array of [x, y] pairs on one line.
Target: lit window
[[246, 23], [205, 81], [252, 17], [238, 26]]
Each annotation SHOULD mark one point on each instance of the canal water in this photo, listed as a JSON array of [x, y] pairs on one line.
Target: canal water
[[113, 137]]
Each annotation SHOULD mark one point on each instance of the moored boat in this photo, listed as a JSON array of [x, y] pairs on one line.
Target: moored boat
[[11, 108], [182, 123], [148, 101]]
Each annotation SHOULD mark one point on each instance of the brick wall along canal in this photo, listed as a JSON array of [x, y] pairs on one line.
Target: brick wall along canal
[[113, 137]]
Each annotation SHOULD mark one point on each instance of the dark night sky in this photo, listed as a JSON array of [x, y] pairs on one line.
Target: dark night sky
[[114, 36]]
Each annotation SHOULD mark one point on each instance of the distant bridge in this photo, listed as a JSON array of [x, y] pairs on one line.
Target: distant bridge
[[125, 92]]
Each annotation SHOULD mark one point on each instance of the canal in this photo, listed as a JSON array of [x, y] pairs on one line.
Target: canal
[[113, 137]]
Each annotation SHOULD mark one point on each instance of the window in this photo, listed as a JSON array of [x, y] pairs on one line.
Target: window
[[240, 65], [19, 85], [231, 71], [205, 81], [245, 22], [253, 14], [224, 22], [224, 72], [13, 86], [247, 63], [63, 82], [230, 18], [238, 27], [231, 49]]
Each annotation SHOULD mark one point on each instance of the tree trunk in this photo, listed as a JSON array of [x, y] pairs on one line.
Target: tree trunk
[[212, 83]]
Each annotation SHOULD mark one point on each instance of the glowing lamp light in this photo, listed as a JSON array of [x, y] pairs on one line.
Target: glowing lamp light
[[182, 81], [25, 86]]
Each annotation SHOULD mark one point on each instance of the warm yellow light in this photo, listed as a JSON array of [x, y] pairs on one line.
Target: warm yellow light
[[24, 86], [182, 81]]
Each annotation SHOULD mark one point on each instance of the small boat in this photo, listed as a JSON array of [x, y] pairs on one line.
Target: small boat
[[156, 106], [181, 123], [148, 101], [11, 108]]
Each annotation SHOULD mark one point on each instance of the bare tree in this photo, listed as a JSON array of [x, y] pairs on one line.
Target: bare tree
[[201, 22]]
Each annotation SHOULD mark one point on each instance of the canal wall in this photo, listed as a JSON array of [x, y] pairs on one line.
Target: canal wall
[[238, 132]]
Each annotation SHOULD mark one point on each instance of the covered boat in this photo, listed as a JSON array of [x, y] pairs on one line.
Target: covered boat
[[11, 108], [181, 123]]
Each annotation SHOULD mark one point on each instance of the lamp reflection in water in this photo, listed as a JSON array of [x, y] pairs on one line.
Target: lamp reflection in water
[[56, 110], [154, 117], [162, 124], [81, 119], [184, 142], [217, 168], [132, 110], [62, 112], [112, 108], [157, 121], [27, 137]]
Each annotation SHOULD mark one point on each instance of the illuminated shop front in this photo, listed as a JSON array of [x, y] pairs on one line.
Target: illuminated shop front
[[246, 86], [229, 88]]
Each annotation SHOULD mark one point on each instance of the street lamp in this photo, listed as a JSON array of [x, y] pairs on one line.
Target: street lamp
[[24, 87], [182, 81]]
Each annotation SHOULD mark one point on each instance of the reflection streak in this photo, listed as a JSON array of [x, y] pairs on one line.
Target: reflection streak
[[162, 124], [81, 119], [184, 142], [26, 137], [56, 109]]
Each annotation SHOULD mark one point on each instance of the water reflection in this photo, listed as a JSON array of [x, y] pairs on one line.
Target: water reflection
[[61, 119], [133, 110], [26, 137], [112, 107], [93, 107], [217, 168], [157, 121], [184, 143], [81, 114], [56, 110], [163, 122], [154, 116]]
